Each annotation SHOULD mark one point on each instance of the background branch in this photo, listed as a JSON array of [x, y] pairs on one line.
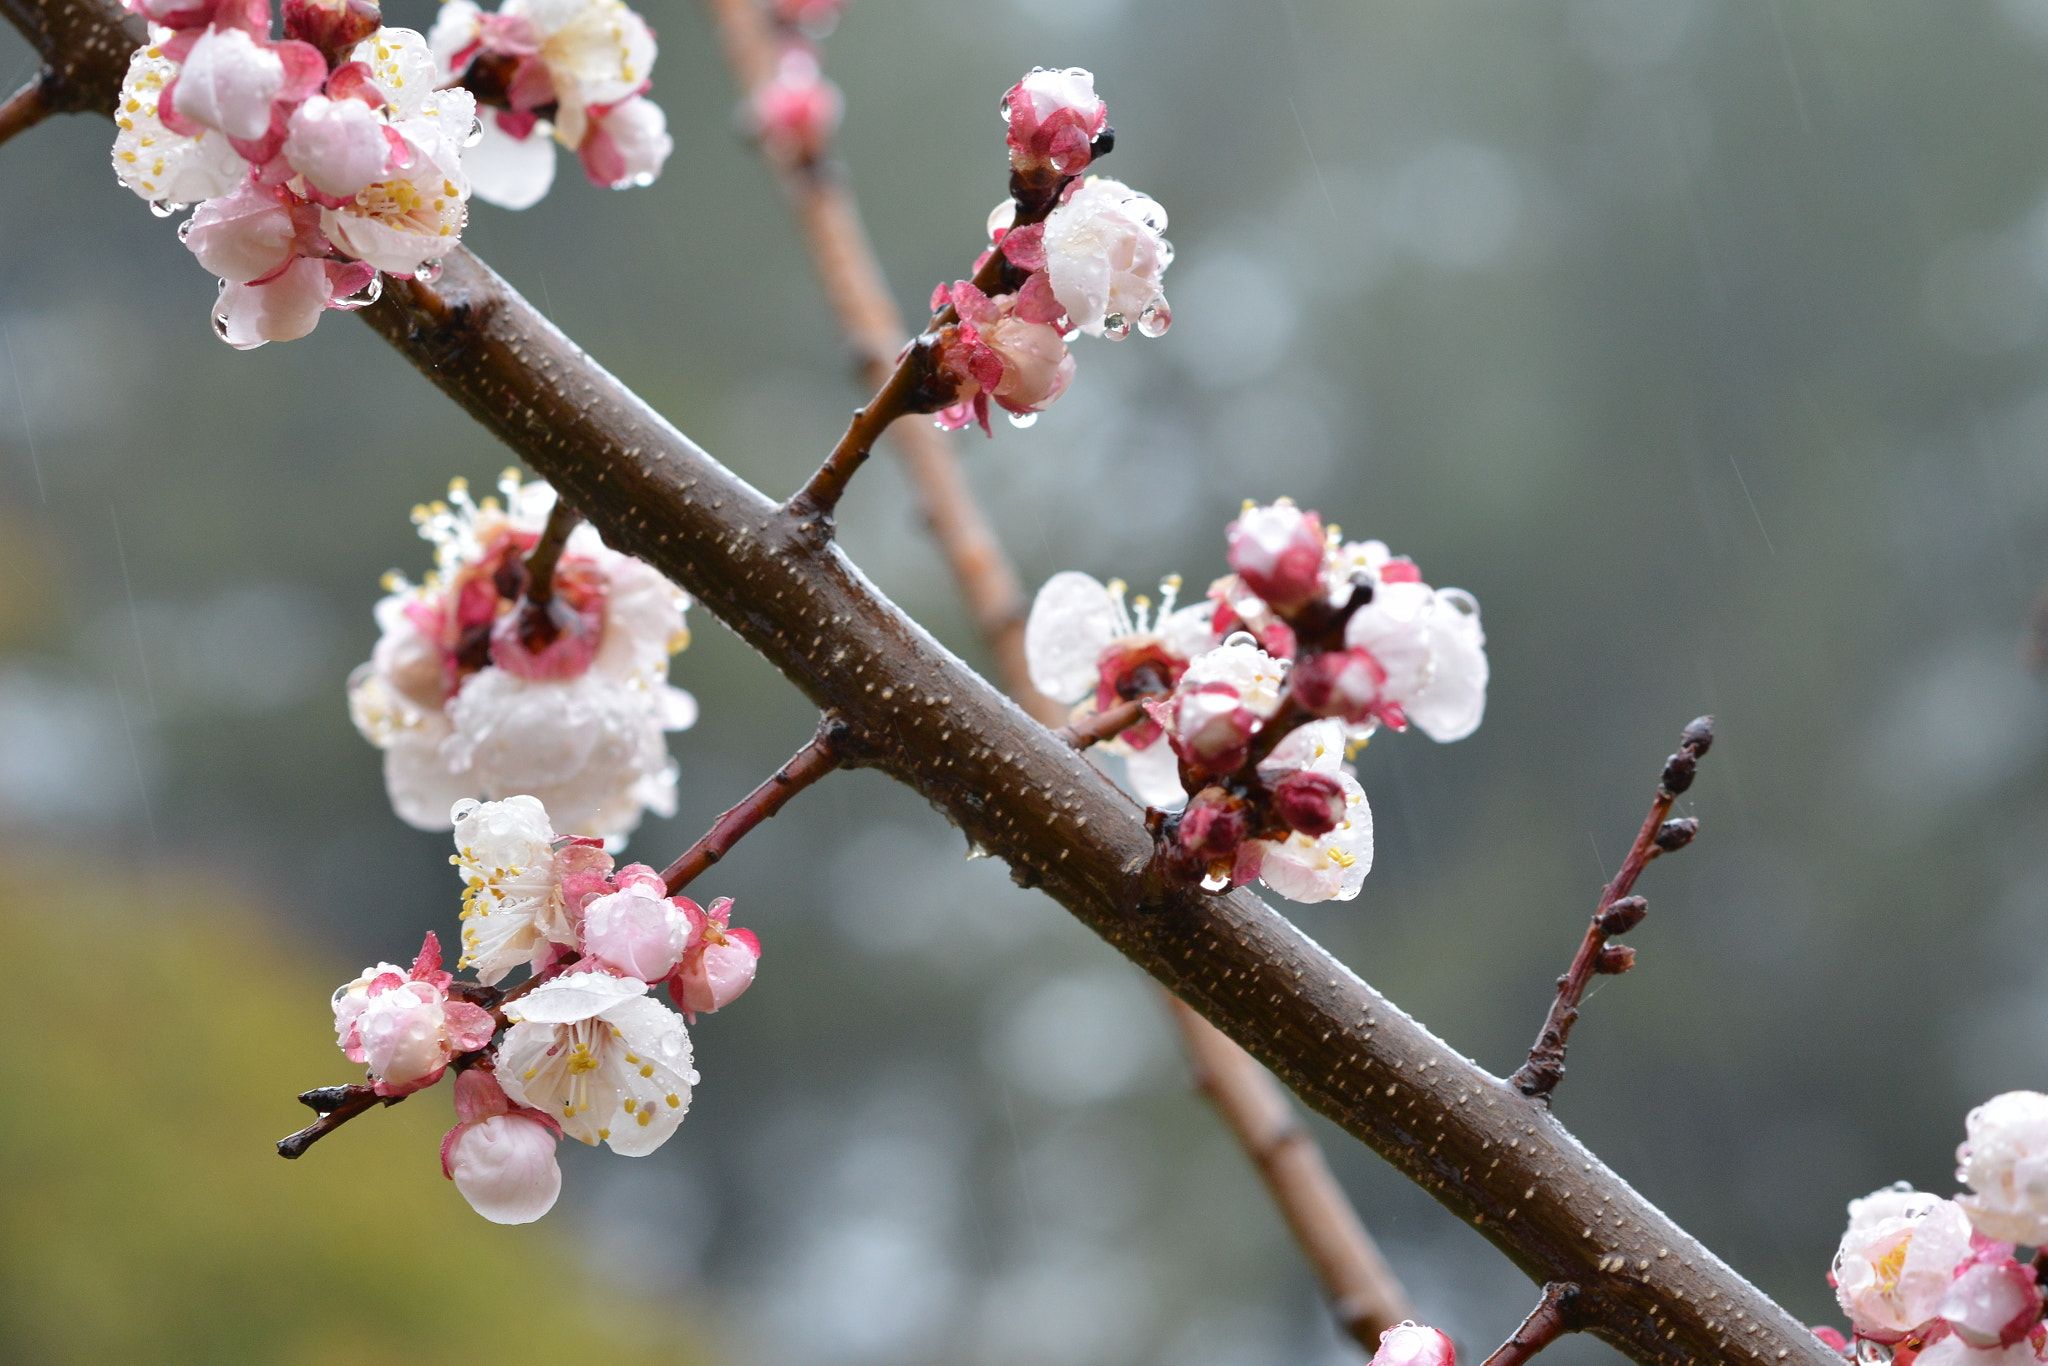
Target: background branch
[[1493, 1157]]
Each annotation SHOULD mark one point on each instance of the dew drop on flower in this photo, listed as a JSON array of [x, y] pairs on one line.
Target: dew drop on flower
[[1023, 420], [185, 231], [1240, 638], [428, 273], [476, 133], [1156, 318], [1116, 326], [1211, 882], [642, 181], [363, 297], [976, 849], [164, 208], [1003, 106]]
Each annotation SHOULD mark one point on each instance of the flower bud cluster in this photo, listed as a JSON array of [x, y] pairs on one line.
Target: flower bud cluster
[[796, 111], [469, 695], [1251, 699], [585, 1050], [1410, 1344], [1939, 1282], [318, 160], [1077, 254], [574, 72]]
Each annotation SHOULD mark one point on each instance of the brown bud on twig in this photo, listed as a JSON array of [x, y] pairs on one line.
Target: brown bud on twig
[[1676, 834], [1698, 736], [1695, 741], [1623, 915], [324, 1099], [1615, 959]]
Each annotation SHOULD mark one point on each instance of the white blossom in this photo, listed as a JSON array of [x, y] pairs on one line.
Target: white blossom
[[1897, 1258], [593, 1052], [157, 164], [1329, 867], [512, 905], [1427, 640], [1106, 256], [2004, 1162]]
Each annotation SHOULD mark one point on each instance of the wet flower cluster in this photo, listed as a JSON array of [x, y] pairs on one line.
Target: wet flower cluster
[[1250, 700], [471, 691], [581, 1048], [1079, 253], [1932, 1282], [317, 160]]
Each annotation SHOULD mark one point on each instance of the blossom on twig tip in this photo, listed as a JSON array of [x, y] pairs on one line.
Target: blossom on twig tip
[[593, 1052], [402, 1025], [501, 1156]]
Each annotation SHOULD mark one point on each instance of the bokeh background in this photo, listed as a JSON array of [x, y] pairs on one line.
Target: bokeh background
[[1705, 341]]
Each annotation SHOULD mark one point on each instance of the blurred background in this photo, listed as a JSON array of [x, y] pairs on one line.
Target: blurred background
[[1705, 342]]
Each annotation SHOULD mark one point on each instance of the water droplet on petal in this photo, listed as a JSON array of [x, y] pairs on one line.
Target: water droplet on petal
[[1001, 217], [428, 272], [1023, 420], [1214, 882], [1156, 318], [476, 133], [164, 208], [1003, 106], [642, 180], [976, 849], [220, 321], [185, 231], [363, 297], [1241, 638], [1115, 326]]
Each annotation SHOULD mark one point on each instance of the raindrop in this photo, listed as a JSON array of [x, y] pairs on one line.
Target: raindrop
[[976, 849], [185, 232], [1023, 420], [1116, 327], [1002, 217], [220, 323], [1241, 638], [1003, 106], [1156, 318], [428, 273], [363, 297], [476, 133], [1215, 882], [165, 208], [642, 181]]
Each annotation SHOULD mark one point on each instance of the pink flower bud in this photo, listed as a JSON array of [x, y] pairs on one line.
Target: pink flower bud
[[815, 17], [1410, 1344], [1214, 824], [228, 82], [1310, 802], [338, 145], [1992, 1304], [1212, 730], [1036, 365], [1344, 683], [627, 144], [720, 966], [173, 13], [1278, 551], [243, 236], [797, 110], [1054, 117], [504, 1166], [635, 934]]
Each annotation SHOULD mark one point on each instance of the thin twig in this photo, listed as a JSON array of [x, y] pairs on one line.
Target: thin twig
[[359, 1099], [821, 755], [547, 552], [1364, 1293], [1551, 1319], [1090, 730], [815, 502], [24, 109], [1617, 913]]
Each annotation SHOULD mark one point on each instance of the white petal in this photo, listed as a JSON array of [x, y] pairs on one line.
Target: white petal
[[577, 996], [1451, 706], [1154, 773], [513, 173], [656, 1036], [1073, 619]]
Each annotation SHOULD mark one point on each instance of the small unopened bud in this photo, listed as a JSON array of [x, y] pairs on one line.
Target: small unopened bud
[[1310, 802], [1698, 736], [1214, 824], [1623, 915], [1676, 834], [1678, 772], [1278, 551], [1411, 1344], [1614, 960]]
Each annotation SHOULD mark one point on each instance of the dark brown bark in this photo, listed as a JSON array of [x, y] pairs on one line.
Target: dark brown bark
[[1495, 1158]]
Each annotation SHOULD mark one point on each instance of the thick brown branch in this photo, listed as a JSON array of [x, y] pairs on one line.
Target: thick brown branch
[[24, 109], [819, 756], [1364, 1294], [1493, 1157], [84, 45], [1616, 913], [1091, 730], [1550, 1320]]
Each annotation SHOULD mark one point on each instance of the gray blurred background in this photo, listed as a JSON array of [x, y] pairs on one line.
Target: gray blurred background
[[1705, 342]]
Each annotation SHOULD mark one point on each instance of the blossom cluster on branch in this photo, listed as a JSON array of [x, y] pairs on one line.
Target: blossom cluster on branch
[[475, 691], [346, 150], [1927, 1281], [581, 1047], [1247, 703]]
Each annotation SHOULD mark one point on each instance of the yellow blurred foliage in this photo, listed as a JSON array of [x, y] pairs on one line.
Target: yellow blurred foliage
[[154, 1042]]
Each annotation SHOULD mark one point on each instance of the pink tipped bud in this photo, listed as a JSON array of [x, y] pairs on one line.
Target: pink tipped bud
[[1036, 365], [504, 1166], [635, 934], [1310, 802], [1212, 732], [1278, 551], [243, 236], [626, 145], [1054, 119], [720, 966], [1214, 824], [797, 110], [1410, 1344], [1345, 683], [1992, 1304], [228, 83]]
